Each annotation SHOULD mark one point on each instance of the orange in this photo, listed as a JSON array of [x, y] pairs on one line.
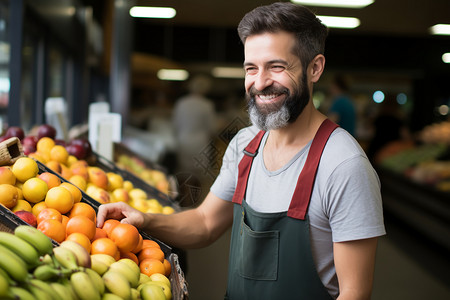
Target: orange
[[83, 209], [7, 176], [51, 179], [71, 160], [126, 237], [37, 156], [8, 195], [54, 166], [34, 190], [25, 168], [38, 207], [151, 266], [45, 145], [80, 239], [76, 193], [100, 233], [139, 245], [65, 172], [53, 229], [60, 199], [22, 205], [150, 243], [105, 246], [79, 181], [130, 255], [167, 267], [19, 193], [65, 220], [49, 213], [109, 225], [81, 224], [151, 252], [59, 153]]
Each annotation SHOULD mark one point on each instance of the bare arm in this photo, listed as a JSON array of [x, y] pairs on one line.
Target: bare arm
[[355, 265], [192, 228]]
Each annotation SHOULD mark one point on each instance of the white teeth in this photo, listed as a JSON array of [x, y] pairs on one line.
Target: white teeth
[[267, 97]]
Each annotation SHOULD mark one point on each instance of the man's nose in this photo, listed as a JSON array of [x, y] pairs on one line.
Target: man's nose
[[263, 80]]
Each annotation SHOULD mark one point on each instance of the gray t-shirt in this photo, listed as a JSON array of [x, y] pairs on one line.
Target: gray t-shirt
[[345, 203]]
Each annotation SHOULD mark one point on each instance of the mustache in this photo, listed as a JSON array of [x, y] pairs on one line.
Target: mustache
[[270, 90]]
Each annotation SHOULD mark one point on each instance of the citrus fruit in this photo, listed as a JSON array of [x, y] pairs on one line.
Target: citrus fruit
[[79, 181], [151, 252], [80, 239], [167, 267], [38, 207], [83, 209], [151, 266], [22, 205], [76, 193], [7, 176], [51, 179], [45, 145], [49, 213], [105, 246], [34, 190], [150, 243], [125, 236], [109, 225], [54, 166], [81, 224], [139, 245], [59, 153], [65, 220], [60, 199], [8, 195], [25, 168], [100, 233], [53, 229]]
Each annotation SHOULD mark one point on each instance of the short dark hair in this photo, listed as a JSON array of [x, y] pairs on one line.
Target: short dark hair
[[292, 18]]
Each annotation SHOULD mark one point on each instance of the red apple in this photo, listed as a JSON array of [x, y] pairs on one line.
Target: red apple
[[46, 130], [84, 143], [15, 131], [76, 150], [60, 142], [27, 216], [30, 140]]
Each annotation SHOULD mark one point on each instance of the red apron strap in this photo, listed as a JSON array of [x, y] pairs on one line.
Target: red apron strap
[[244, 167], [303, 190]]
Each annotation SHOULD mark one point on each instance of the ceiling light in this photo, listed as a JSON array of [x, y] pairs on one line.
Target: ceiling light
[[446, 58], [152, 12], [228, 72], [336, 3], [440, 29], [340, 22], [172, 74]]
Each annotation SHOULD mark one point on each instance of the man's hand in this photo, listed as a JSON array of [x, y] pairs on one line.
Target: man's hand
[[122, 212]]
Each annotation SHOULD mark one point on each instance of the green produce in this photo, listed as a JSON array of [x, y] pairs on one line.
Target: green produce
[[84, 287], [20, 247], [13, 264], [36, 238]]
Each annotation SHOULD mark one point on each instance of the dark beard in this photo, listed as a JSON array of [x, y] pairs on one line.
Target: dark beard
[[276, 116]]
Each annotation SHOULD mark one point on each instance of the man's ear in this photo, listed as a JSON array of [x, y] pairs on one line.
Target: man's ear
[[316, 67]]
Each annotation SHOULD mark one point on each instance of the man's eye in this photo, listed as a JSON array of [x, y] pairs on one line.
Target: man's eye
[[278, 68], [250, 70]]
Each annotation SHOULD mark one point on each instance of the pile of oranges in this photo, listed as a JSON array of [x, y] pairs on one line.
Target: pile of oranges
[[61, 215]]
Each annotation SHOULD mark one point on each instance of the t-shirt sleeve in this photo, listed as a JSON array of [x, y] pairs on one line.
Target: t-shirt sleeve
[[355, 207]]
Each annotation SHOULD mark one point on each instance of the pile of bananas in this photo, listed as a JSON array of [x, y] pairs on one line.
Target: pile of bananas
[[32, 268]]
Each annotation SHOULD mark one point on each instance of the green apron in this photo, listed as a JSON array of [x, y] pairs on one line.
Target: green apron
[[270, 253]]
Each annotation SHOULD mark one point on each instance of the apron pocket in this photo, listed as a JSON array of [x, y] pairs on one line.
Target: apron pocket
[[259, 254]]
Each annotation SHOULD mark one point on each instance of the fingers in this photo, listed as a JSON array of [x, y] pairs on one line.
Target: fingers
[[110, 211]]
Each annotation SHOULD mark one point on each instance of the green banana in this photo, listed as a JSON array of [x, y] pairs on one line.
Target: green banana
[[19, 246], [42, 243], [16, 292], [83, 286], [82, 255], [98, 266], [135, 294], [152, 292], [4, 286], [61, 291], [66, 282], [117, 284], [97, 280], [13, 264], [110, 296], [49, 272], [65, 258]]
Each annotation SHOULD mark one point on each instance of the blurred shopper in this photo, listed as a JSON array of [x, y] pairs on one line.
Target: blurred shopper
[[300, 194], [194, 121], [388, 126], [342, 110]]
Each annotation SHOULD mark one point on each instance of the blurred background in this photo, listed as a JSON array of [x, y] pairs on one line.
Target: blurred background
[[393, 57]]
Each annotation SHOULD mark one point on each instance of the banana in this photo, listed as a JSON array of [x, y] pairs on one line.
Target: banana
[[98, 266], [41, 290], [13, 264], [19, 246], [4, 286], [132, 264], [117, 284], [135, 294], [16, 292], [83, 286], [49, 272], [97, 280], [42, 243], [110, 296], [66, 282], [131, 275], [152, 292], [66, 258], [61, 291], [105, 258], [82, 255]]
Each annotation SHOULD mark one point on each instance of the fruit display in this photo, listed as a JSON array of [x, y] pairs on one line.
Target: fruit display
[[32, 268]]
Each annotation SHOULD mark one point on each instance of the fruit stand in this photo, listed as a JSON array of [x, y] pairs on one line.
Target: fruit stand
[[19, 209]]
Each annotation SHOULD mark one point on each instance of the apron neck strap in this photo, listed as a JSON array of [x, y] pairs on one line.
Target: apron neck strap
[[303, 190]]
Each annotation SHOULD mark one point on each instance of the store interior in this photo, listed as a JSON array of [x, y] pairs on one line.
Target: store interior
[[92, 51]]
